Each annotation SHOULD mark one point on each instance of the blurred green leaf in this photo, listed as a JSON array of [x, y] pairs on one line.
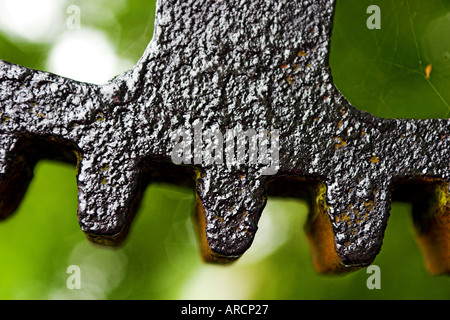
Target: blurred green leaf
[[128, 24], [32, 55], [384, 71]]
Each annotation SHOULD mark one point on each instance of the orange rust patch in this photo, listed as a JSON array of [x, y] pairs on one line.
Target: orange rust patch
[[369, 205], [321, 237], [374, 159], [341, 143], [290, 80]]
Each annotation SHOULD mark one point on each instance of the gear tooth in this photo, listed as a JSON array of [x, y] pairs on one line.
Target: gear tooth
[[108, 198], [432, 224], [361, 230], [345, 236], [227, 217], [208, 252], [321, 235], [16, 173]]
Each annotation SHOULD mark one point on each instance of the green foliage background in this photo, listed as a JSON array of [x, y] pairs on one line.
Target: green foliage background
[[381, 71]]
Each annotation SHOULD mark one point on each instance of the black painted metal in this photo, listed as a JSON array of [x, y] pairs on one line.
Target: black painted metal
[[223, 65]]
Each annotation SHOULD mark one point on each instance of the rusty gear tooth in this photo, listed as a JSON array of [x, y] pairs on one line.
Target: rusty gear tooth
[[431, 215], [359, 222], [321, 235], [434, 238], [346, 239], [228, 208], [208, 254]]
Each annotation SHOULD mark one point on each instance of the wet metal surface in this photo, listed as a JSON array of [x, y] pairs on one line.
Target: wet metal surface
[[227, 64]]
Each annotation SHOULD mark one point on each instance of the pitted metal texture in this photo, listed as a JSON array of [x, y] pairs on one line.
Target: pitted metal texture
[[221, 65]]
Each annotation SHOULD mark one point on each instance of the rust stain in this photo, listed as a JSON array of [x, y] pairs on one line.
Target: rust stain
[[374, 159], [290, 80], [207, 254], [433, 235], [341, 143], [369, 205], [321, 236]]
